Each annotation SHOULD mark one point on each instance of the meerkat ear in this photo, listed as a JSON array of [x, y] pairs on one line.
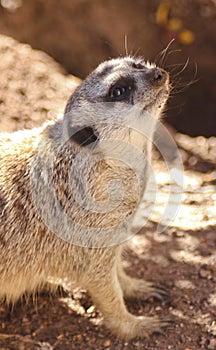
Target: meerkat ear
[[83, 136]]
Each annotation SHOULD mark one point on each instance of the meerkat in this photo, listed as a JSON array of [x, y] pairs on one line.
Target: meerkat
[[70, 189]]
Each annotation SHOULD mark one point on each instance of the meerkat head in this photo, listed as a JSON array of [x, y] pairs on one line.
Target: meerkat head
[[122, 91]]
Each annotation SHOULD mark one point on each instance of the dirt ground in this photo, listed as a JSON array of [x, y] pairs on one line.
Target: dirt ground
[[182, 258]]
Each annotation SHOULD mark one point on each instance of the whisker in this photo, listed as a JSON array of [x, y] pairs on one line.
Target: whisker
[[178, 85], [174, 65], [160, 57], [136, 52], [170, 53], [184, 67], [126, 44], [182, 87], [177, 107]]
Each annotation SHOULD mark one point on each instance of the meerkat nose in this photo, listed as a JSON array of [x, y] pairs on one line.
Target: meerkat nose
[[157, 76]]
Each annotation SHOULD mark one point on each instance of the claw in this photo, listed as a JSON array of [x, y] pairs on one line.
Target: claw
[[159, 287], [155, 295], [158, 292], [144, 290], [164, 321]]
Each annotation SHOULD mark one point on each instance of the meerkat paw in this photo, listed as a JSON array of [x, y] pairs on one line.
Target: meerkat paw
[[140, 289], [139, 326]]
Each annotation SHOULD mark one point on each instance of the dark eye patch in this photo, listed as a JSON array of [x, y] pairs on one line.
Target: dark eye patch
[[83, 136], [121, 89]]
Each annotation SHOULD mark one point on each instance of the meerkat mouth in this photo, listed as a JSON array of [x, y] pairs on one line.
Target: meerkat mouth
[[161, 97]]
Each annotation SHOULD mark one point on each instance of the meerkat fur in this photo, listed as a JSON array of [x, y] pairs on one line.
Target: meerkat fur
[[48, 224]]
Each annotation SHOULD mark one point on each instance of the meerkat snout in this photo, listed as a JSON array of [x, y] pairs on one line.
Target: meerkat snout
[[157, 76]]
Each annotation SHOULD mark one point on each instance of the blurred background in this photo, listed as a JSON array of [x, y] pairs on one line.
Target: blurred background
[[79, 34]]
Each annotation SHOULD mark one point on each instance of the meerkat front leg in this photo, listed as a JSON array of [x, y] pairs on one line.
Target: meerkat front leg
[[107, 294], [138, 288]]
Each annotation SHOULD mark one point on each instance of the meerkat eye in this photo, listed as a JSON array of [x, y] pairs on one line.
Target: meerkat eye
[[118, 93], [121, 90]]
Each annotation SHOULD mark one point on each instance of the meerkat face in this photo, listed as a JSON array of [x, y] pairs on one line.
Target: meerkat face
[[121, 91]]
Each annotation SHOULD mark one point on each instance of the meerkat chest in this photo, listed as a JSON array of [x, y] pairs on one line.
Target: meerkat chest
[[114, 181], [101, 192]]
